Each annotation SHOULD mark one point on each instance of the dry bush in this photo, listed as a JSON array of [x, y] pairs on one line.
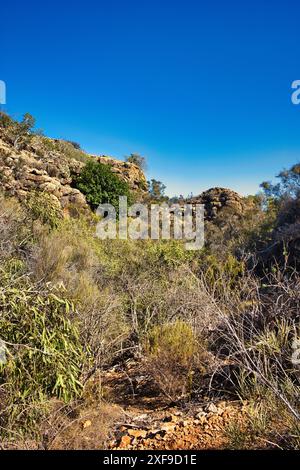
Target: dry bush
[[240, 234], [157, 293], [88, 423], [14, 232], [80, 427], [255, 339], [69, 256], [62, 253], [173, 355]]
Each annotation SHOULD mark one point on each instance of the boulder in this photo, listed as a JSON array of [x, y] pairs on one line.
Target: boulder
[[217, 199]]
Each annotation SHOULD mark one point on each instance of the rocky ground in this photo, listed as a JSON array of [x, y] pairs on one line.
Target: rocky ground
[[195, 427], [148, 421]]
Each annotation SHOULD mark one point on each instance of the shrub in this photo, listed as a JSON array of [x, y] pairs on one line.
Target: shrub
[[100, 185], [156, 191], [44, 207], [13, 227], [76, 145], [289, 184], [242, 234], [222, 275], [175, 339], [71, 150], [44, 356], [70, 256], [137, 160], [19, 134], [171, 350], [258, 342]]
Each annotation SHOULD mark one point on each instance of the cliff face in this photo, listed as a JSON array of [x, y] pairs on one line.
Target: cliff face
[[24, 171], [52, 171]]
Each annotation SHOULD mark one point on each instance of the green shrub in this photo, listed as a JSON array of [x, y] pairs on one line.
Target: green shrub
[[19, 134], [69, 256], [100, 185], [171, 351], [44, 356], [44, 207], [174, 339], [220, 275]]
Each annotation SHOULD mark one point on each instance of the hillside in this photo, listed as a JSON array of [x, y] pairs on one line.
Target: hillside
[[141, 344], [50, 166]]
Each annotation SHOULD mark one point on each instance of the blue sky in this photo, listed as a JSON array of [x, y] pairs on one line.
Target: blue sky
[[202, 89]]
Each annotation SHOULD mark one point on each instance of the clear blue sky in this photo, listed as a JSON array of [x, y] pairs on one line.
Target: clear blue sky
[[201, 88]]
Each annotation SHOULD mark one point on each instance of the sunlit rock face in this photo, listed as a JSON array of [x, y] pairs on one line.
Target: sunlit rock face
[[216, 199], [51, 171]]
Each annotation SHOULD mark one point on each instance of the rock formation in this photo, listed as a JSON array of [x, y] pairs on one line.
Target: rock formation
[[216, 199], [24, 171], [37, 168], [129, 172]]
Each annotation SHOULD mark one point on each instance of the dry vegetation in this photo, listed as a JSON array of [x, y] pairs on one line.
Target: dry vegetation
[[217, 322]]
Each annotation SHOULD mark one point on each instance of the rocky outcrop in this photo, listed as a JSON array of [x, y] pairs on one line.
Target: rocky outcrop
[[35, 168], [217, 199], [25, 171], [129, 172]]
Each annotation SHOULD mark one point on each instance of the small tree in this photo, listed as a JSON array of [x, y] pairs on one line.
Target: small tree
[[289, 185], [19, 134], [157, 190], [100, 185], [138, 160]]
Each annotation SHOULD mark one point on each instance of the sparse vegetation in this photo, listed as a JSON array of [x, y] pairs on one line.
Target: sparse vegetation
[[211, 323], [137, 160], [19, 134]]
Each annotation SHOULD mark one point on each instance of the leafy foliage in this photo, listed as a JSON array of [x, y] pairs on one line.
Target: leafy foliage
[[43, 351], [157, 190], [42, 206], [17, 133], [100, 185], [288, 186]]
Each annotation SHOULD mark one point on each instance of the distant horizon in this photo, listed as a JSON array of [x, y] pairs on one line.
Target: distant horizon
[[202, 91]]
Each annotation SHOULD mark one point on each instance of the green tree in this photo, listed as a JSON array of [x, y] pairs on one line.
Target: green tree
[[100, 185], [19, 134], [288, 186], [157, 190]]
